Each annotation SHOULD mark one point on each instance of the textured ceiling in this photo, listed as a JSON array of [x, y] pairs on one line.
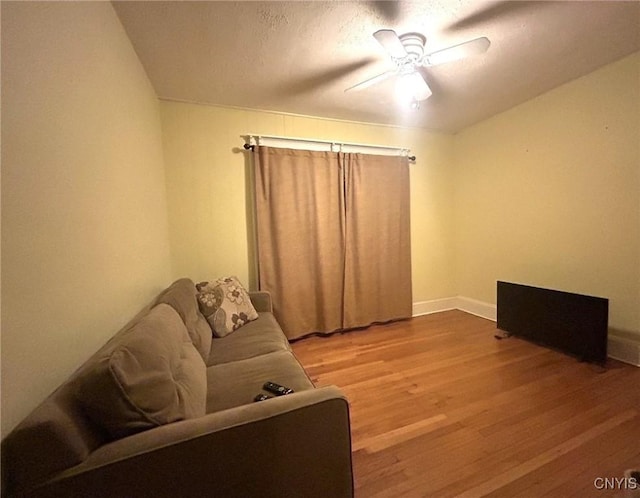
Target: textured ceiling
[[298, 57]]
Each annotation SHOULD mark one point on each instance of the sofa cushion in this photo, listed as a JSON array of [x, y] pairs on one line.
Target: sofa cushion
[[237, 383], [181, 296], [225, 304], [261, 336], [152, 376]]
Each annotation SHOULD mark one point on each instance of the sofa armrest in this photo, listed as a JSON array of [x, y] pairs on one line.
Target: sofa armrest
[[295, 445], [261, 301]]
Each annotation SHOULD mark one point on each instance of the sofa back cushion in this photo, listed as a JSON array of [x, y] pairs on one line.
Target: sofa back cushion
[[152, 376], [181, 296]]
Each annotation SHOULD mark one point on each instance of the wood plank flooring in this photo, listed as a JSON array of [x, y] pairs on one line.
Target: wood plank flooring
[[441, 408]]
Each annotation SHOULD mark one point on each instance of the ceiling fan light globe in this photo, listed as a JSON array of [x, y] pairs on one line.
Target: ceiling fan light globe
[[411, 87]]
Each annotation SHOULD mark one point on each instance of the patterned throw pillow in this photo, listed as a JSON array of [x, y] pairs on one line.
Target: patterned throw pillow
[[225, 304]]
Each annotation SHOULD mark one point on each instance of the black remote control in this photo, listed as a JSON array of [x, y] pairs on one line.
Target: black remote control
[[262, 397], [276, 389]]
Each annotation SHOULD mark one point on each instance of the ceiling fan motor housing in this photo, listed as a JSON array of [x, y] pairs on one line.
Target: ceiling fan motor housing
[[414, 45]]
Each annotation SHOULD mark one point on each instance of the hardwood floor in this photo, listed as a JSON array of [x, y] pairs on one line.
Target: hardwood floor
[[440, 408]]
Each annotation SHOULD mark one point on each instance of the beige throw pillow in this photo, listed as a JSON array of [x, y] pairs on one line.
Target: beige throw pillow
[[152, 375], [225, 304]]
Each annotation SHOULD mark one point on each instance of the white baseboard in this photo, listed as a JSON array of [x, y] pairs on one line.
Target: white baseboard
[[473, 306], [478, 308], [435, 306], [625, 349]]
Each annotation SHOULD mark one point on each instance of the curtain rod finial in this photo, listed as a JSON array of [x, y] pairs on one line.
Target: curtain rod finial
[[248, 146], [412, 158]]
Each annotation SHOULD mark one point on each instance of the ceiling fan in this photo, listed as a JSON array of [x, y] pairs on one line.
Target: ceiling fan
[[407, 53]]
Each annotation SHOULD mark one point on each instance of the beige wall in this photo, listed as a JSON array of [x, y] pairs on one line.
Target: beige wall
[[84, 223], [207, 189], [548, 194]]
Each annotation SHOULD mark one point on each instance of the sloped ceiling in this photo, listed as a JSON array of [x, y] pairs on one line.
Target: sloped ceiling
[[299, 57]]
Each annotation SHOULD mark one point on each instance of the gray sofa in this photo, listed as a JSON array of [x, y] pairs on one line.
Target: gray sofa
[[164, 409]]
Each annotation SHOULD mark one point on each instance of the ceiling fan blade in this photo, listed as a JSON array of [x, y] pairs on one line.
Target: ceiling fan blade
[[387, 9], [391, 43], [495, 12], [421, 90], [372, 81], [457, 52], [312, 81]]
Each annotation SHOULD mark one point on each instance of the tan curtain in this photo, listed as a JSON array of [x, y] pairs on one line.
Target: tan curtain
[[333, 238], [377, 240], [300, 232]]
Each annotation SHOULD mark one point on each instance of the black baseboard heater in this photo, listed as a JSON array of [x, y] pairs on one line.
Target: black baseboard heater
[[571, 323]]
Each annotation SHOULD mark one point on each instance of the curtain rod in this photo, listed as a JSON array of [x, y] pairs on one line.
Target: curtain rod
[[252, 140]]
